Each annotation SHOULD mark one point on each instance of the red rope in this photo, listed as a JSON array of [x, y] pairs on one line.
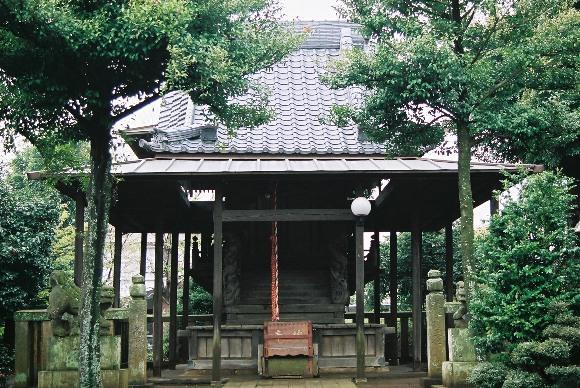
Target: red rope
[[274, 264]]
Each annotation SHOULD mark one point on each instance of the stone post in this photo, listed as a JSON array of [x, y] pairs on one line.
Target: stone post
[[137, 333], [435, 309], [23, 346]]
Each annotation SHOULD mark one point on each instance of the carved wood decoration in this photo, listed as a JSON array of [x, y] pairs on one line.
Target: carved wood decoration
[[232, 269], [338, 270]]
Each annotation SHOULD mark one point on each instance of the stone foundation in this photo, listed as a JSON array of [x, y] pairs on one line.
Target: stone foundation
[[63, 363]]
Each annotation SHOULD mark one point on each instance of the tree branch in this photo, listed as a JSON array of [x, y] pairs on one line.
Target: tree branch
[[129, 111]]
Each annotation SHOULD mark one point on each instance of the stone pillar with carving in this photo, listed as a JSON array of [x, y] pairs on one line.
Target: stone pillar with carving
[[435, 311], [137, 354]]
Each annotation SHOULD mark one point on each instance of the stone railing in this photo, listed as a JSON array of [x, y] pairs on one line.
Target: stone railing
[[450, 353], [33, 332]]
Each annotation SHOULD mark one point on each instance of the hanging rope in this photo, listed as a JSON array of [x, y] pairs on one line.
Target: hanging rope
[[274, 262]]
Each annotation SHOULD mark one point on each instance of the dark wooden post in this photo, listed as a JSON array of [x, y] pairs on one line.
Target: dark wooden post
[[173, 300], [79, 238], [205, 247], [117, 266], [186, 274], [377, 279], [143, 263], [196, 254], [493, 206], [404, 338], [158, 307], [417, 302], [393, 284], [360, 297], [217, 288], [449, 262]]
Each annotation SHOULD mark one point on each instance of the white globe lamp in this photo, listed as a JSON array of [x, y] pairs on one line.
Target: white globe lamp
[[360, 207]]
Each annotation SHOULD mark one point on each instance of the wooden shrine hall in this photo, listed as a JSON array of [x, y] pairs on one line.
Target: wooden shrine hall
[[296, 175]]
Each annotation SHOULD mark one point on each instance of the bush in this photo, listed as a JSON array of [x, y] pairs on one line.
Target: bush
[[6, 360], [489, 375], [530, 261], [522, 379]]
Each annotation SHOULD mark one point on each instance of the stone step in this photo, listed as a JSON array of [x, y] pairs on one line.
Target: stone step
[[258, 319], [265, 308], [286, 300]]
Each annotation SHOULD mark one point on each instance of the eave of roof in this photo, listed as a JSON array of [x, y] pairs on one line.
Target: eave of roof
[[290, 166]]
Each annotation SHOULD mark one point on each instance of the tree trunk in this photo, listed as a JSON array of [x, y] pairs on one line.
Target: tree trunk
[[98, 198], [465, 204]]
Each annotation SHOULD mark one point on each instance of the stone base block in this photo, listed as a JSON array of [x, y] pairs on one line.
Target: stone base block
[[289, 366], [461, 348], [455, 374], [63, 353], [70, 379]]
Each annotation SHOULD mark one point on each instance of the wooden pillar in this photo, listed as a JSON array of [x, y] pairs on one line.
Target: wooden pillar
[[493, 206], [186, 274], [173, 300], [393, 289], [377, 279], [143, 262], [449, 262], [158, 307], [196, 254], [360, 296], [79, 239], [205, 247], [217, 288], [117, 266], [417, 300]]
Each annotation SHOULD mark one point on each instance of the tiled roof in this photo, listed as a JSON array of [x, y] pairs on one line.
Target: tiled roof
[[298, 98]]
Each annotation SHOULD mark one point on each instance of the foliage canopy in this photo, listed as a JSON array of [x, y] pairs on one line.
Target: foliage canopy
[[70, 69], [470, 68]]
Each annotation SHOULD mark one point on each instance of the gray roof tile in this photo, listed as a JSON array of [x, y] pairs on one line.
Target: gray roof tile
[[298, 98]]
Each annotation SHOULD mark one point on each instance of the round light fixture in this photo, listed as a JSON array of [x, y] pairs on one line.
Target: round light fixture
[[360, 207]]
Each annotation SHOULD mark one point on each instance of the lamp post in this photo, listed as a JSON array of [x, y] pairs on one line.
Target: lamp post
[[360, 207]]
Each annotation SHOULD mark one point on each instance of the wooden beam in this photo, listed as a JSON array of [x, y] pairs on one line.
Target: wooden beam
[[186, 275], [417, 302], [143, 262], [288, 215], [217, 288], [158, 307], [79, 238], [377, 278], [117, 266], [173, 300], [449, 262], [384, 194], [393, 287], [360, 297]]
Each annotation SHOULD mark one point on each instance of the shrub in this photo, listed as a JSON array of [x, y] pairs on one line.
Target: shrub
[[489, 375], [530, 260], [522, 379]]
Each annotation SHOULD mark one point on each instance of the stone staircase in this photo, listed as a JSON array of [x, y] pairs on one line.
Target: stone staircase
[[303, 295]]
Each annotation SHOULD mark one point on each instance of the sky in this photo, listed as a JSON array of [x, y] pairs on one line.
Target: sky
[[309, 9]]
